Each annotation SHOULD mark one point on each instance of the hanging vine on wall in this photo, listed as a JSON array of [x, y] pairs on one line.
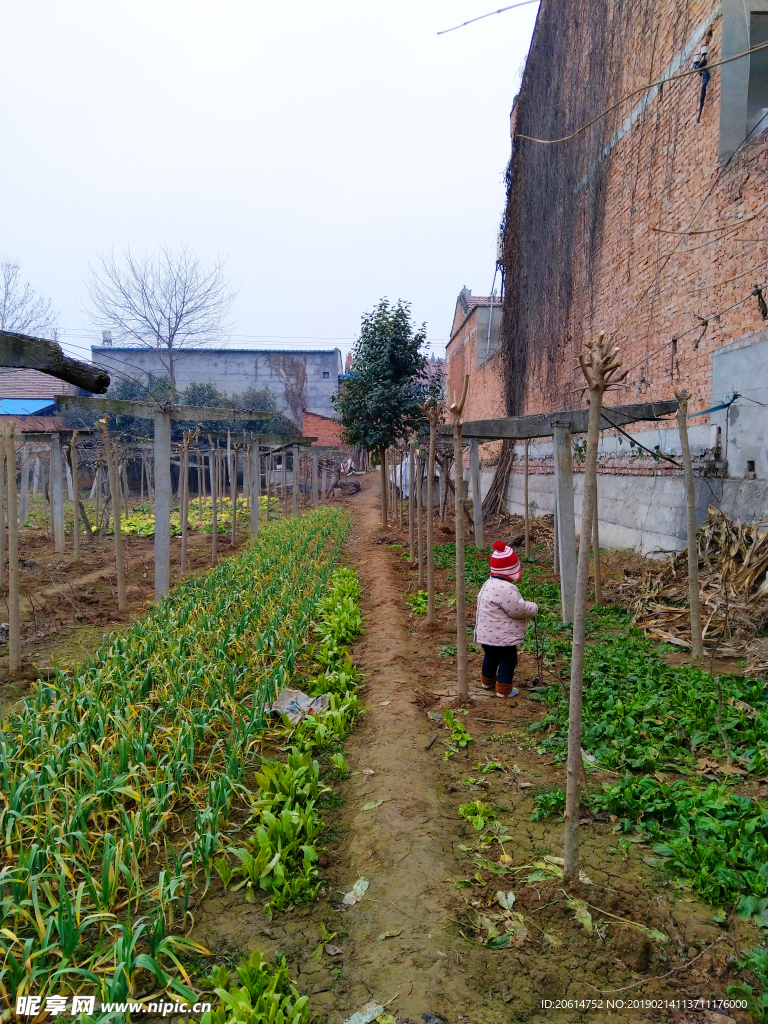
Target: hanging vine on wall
[[582, 55]]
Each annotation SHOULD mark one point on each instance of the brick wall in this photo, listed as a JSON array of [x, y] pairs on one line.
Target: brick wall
[[682, 234]]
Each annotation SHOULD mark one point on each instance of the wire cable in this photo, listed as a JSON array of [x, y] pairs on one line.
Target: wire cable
[[523, 3], [636, 92]]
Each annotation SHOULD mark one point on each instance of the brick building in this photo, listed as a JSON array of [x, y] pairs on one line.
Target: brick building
[[651, 223], [473, 349]]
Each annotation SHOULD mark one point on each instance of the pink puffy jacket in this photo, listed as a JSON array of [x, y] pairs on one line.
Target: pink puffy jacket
[[502, 614]]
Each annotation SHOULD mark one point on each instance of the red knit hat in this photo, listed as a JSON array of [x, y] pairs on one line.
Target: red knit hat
[[504, 561]]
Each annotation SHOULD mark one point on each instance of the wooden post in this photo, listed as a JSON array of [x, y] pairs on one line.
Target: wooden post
[[296, 482], [184, 498], [419, 520], [97, 488], [566, 518], [255, 476], [314, 478], [3, 491], [596, 552], [115, 494], [76, 503], [26, 464], [697, 640], [247, 478], [400, 490], [383, 469], [14, 638], [162, 504], [57, 494], [433, 415], [212, 471], [200, 484], [411, 497], [233, 493], [525, 499], [457, 407], [477, 504], [599, 367]]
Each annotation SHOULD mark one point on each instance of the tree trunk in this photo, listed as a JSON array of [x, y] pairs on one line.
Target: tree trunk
[[114, 489], [697, 640], [383, 464], [603, 362], [419, 520], [431, 617], [461, 608], [411, 497]]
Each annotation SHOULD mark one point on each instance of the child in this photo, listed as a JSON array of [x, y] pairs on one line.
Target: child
[[501, 621]]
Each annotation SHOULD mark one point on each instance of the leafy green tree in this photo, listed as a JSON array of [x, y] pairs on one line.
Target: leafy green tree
[[381, 402]]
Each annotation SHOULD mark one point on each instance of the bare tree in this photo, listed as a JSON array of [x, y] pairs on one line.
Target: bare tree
[[22, 310], [165, 302]]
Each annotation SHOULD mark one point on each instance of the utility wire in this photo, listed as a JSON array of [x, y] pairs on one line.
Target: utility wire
[[490, 14], [636, 92]]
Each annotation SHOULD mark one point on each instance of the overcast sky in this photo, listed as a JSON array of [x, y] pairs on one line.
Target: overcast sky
[[333, 152]]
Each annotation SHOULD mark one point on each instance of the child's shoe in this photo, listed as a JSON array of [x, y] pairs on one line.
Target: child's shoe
[[488, 684], [506, 690]]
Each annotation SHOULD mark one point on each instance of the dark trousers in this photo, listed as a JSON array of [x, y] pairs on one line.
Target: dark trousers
[[499, 662]]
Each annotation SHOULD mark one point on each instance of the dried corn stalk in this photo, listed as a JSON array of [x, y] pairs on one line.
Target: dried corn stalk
[[733, 584]]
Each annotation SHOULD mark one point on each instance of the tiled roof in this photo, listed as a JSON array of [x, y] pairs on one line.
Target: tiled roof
[[32, 384]]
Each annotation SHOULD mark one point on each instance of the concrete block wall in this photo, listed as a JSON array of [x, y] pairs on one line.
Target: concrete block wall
[[234, 370]]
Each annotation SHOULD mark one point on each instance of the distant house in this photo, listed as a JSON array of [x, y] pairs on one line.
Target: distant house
[[27, 397], [474, 350], [326, 429], [298, 379]]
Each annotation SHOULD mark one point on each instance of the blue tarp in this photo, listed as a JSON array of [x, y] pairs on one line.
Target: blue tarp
[[26, 406]]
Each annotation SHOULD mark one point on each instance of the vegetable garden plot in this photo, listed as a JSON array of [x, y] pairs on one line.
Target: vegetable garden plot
[[131, 763], [660, 730]]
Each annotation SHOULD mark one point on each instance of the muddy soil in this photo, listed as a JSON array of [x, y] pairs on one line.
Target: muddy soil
[[67, 606], [412, 943]]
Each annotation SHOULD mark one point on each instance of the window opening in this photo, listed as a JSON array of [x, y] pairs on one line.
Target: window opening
[[757, 96]]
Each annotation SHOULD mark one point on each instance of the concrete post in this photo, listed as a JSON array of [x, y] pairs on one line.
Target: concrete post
[[255, 476], [296, 481], [57, 494], [162, 504], [566, 518], [36, 477], [26, 464], [324, 485], [477, 505], [314, 478], [14, 640]]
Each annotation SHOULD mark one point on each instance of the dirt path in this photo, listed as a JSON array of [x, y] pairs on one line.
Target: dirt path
[[409, 944]]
